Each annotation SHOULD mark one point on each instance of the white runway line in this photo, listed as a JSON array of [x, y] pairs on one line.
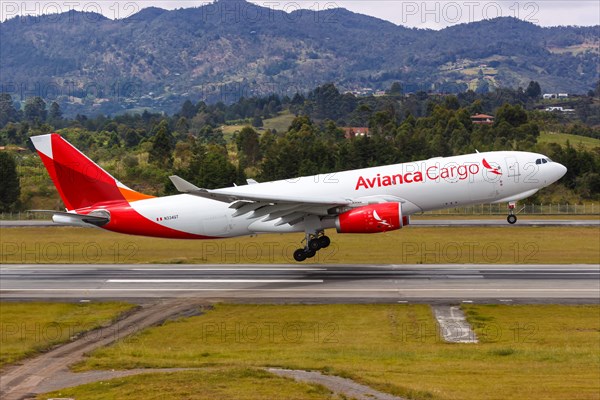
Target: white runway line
[[228, 269], [214, 281], [594, 291]]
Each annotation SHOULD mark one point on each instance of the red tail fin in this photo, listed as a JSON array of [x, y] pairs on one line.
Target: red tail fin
[[79, 181]]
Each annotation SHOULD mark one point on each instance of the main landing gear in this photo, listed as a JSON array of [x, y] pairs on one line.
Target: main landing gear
[[314, 243], [512, 218]]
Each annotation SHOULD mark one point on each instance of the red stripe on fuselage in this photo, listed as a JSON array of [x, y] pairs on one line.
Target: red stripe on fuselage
[[124, 219]]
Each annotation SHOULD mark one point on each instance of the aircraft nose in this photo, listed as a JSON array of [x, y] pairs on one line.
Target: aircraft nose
[[559, 171]]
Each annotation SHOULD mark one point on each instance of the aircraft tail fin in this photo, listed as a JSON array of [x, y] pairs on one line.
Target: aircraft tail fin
[[80, 181]]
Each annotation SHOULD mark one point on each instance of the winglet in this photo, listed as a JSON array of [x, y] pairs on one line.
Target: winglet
[[184, 186]]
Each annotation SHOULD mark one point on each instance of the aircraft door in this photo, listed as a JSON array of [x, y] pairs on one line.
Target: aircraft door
[[216, 225], [512, 168]]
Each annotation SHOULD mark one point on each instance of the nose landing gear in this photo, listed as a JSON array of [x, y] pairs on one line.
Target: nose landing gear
[[314, 243], [512, 218]]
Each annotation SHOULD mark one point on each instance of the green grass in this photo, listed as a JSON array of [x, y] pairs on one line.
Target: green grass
[[30, 328], [426, 245], [475, 71], [550, 352], [218, 383], [281, 123], [576, 141]]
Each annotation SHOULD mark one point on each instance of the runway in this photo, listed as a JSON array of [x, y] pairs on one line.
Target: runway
[[306, 283], [500, 221]]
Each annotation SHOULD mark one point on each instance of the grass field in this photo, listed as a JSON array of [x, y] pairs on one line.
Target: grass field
[[215, 383], [576, 141], [30, 328], [549, 352], [279, 123], [414, 245]]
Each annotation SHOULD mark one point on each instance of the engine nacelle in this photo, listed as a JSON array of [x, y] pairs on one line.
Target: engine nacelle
[[373, 218]]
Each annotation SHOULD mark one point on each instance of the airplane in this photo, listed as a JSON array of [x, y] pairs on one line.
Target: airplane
[[368, 200]]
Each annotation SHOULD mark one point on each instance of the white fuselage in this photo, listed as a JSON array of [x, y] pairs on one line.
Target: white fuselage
[[419, 186]]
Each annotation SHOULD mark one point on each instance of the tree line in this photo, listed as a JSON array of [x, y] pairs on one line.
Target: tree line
[[143, 149]]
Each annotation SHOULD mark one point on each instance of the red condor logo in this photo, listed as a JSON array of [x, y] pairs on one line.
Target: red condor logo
[[433, 173], [493, 170]]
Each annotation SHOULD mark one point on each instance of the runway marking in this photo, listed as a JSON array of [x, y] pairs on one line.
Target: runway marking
[[227, 269], [595, 291], [214, 281]]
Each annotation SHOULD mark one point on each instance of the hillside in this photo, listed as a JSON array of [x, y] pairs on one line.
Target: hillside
[[158, 58]]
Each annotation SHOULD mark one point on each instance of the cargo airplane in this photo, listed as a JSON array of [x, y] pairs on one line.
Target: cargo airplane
[[368, 200]]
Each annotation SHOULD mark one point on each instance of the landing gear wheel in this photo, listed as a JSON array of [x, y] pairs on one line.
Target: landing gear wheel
[[511, 219], [324, 241], [300, 255], [309, 253], [314, 244]]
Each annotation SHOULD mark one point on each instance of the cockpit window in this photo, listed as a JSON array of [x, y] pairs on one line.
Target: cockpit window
[[544, 160], [538, 161]]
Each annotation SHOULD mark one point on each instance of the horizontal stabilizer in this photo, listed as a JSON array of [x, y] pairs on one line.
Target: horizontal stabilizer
[[97, 218]]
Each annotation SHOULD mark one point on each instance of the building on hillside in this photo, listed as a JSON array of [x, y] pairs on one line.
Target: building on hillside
[[353, 131], [547, 96], [559, 109], [482, 119]]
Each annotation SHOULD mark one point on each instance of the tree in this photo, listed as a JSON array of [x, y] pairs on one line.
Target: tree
[[248, 147], [188, 110], [395, 89], [132, 138], [257, 121], [35, 110], [182, 125], [534, 90], [8, 113], [161, 152], [216, 170], [514, 115], [55, 112], [10, 189]]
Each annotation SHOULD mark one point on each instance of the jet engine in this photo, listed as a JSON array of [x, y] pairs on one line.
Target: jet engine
[[382, 217]]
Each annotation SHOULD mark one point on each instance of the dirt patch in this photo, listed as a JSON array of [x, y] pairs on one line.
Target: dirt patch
[[338, 385]]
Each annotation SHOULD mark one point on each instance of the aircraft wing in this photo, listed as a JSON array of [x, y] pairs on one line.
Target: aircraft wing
[[230, 195], [290, 209]]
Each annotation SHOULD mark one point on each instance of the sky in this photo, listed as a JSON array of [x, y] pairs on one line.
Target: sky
[[417, 13]]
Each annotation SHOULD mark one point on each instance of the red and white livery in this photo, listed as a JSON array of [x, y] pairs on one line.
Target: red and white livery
[[368, 200]]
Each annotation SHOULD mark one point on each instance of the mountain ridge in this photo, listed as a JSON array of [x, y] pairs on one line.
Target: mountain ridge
[[158, 58]]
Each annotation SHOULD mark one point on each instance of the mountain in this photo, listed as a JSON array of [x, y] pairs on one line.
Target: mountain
[[231, 48]]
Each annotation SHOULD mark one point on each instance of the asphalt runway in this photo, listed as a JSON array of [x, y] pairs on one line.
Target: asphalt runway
[[500, 221], [307, 283]]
